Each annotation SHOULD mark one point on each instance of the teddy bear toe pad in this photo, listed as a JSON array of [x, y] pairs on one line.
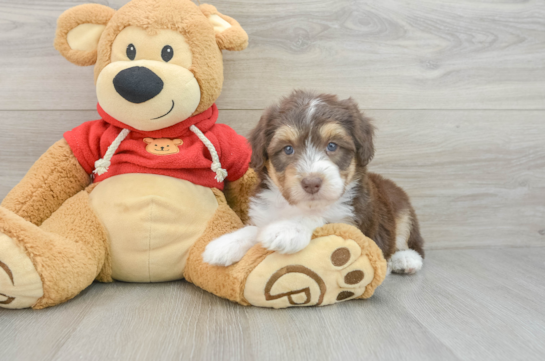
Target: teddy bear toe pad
[[331, 269], [20, 284]]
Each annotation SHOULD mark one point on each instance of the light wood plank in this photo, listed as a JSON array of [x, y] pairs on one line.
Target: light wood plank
[[390, 54], [482, 304], [463, 305], [476, 178]]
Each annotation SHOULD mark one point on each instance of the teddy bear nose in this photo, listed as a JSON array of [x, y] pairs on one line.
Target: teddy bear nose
[[137, 84]]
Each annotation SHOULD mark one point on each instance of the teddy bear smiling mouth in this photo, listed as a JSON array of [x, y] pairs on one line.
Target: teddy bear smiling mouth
[[167, 113]]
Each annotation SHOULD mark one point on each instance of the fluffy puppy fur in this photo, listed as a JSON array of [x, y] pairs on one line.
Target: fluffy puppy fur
[[311, 153]]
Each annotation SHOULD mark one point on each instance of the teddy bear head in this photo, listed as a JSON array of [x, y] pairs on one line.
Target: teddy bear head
[[157, 62]]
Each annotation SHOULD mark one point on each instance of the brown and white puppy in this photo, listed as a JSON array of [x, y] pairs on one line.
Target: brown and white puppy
[[311, 152]]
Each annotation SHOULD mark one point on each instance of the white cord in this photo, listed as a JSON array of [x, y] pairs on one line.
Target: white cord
[[101, 165], [221, 173]]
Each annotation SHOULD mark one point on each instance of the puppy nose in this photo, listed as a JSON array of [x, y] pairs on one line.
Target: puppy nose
[[311, 185], [137, 84]]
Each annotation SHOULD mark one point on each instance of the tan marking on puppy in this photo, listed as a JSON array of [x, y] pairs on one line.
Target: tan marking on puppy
[[333, 130], [273, 175], [348, 174], [284, 134], [291, 182], [403, 229], [285, 181]]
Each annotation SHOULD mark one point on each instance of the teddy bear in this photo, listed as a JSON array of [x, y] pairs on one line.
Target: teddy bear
[[137, 195]]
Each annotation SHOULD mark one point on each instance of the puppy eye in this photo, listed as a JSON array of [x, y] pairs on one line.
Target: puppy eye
[[331, 147], [167, 53], [131, 52], [288, 150]]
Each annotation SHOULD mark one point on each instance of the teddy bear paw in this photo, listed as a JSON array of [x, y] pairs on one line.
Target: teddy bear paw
[[20, 284], [329, 270]]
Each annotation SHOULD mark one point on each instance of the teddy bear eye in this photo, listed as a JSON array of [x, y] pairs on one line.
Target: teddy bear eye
[[167, 53], [131, 52]]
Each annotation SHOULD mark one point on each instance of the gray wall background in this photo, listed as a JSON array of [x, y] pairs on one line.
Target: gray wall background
[[457, 91]]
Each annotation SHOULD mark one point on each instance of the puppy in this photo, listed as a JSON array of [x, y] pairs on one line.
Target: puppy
[[311, 153]]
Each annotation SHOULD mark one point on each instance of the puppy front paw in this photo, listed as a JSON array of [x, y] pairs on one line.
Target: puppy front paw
[[405, 262], [285, 237], [230, 248]]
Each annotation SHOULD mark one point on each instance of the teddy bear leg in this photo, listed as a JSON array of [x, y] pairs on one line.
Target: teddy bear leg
[[226, 282], [339, 264], [47, 265]]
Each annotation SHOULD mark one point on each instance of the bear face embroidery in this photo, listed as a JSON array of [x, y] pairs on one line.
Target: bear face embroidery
[[162, 146]]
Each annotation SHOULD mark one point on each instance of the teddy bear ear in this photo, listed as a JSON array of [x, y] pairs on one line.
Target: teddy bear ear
[[229, 33], [177, 142], [148, 140], [79, 30]]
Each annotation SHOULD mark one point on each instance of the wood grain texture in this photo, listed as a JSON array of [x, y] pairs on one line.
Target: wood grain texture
[[389, 54], [476, 178], [464, 305]]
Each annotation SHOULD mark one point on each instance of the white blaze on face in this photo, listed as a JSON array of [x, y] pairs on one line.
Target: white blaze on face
[[315, 162], [312, 108]]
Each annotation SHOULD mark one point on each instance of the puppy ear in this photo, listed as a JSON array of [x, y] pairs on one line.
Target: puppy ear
[[259, 139], [79, 30], [363, 133], [229, 33]]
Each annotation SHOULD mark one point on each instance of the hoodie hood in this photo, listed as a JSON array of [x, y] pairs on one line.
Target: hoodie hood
[[204, 121]]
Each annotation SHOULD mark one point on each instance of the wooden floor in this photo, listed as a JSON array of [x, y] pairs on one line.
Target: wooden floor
[[457, 93], [485, 304]]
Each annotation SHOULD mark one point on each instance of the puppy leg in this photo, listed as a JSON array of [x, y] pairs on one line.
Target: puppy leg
[[231, 247], [408, 257], [405, 262], [287, 236]]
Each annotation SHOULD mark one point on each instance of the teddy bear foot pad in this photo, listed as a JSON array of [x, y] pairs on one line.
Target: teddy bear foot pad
[[331, 269], [20, 284]]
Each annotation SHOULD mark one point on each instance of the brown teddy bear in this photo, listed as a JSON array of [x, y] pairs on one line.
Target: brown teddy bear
[[137, 195]]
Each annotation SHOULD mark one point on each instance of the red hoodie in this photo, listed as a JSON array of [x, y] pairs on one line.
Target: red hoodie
[[90, 141]]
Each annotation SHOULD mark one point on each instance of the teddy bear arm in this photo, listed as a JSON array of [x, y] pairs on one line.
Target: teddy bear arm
[[238, 193], [55, 177]]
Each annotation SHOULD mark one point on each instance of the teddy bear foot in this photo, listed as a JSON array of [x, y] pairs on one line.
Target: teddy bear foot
[[20, 284], [339, 264]]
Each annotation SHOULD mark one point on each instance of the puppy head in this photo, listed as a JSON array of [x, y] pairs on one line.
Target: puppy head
[[312, 147]]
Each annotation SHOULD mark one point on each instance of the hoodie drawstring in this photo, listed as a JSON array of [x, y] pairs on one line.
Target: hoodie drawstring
[[221, 173], [101, 165]]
